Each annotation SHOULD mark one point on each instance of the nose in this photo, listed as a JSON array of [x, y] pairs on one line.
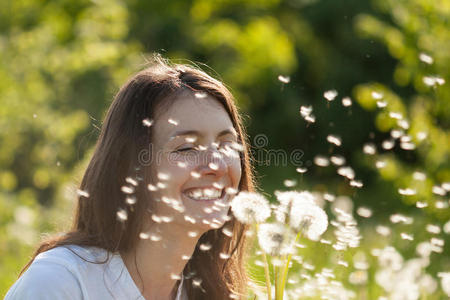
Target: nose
[[212, 163]]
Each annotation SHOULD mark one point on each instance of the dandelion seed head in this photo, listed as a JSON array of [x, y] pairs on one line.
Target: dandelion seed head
[[329, 197], [82, 193], [441, 204], [190, 219], [407, 192], [192, 234], [342, 205], [395, 115], [195, 174], [205, 247], [407, 146], [437, 242], [152, 187], [122, 215], [426, 58], [390, 258], [144, 236], [346, 172], [131, 181], [380, 164], [333, 139], [272, 238], [383, 230], [166, 219], [172, 121], [213, 166], [399, 218], [127, 189], [305, 110], [155, 237], [309, 219], [156, 218], [403, 124], [421, 135], [310, 119], [356, 183], [364, 212], [175, 276], [433, 80], [250, 207], [420, 204], [227, 232], [330, 95], [321, 161], [231, 191], [446, 227], [358, 277], [369, 149], [419, 176], [433, 229], [424, 249], [284, 79], [438, 190], [301, 170], [337, 160], [130, 200], [290, 182], [346, 101], [377, 95], [388, 144], [406, 236], [200, 95], [288, 199], [381, 104], [445, 282], [397, 133], [147, 122]]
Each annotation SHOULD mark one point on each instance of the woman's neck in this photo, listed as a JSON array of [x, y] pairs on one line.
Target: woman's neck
[[155, 266]]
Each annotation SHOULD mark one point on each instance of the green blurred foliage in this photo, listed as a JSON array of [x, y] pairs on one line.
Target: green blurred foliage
[[62, 62]]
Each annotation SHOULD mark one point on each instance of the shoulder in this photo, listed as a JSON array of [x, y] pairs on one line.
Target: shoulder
[[55, 274]]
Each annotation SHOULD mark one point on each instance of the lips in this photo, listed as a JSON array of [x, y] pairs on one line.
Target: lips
[[204, 193]]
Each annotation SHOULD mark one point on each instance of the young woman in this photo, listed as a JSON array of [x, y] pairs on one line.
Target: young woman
[[153, 218]]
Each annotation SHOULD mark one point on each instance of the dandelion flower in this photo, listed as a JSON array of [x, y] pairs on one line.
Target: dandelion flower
[[330, 95], [273, 238], [286, 199], [284, 79], [445, 282], [309, 219], [250, 208]]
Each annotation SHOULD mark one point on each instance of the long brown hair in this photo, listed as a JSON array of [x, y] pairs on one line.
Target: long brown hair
[[116, 156]]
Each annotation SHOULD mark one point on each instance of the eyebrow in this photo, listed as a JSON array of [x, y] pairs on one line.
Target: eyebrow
[[198, 133]]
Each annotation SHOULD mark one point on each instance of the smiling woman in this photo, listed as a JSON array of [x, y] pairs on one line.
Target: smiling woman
[[158, 230]]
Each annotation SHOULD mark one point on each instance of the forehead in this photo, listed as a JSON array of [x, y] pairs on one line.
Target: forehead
[[187, 112]]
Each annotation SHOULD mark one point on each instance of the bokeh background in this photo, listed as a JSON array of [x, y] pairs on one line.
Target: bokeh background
[[63, 60]]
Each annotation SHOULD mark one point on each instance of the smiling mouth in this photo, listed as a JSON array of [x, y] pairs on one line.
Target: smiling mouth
[[205, 194]]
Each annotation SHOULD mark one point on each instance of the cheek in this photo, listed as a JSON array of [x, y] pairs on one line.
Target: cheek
[[173, 172], [235, 171]]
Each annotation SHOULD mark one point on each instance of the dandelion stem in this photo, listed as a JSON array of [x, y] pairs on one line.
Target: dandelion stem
[[266, 273], [286, 270], [279, 281]]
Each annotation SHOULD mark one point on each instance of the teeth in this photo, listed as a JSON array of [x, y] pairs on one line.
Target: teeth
[[204, 194]]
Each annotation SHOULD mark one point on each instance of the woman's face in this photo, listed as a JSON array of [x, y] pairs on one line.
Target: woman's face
[[195, 166]]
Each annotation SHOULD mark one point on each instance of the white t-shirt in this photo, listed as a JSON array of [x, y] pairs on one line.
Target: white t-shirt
[[59, 273]]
